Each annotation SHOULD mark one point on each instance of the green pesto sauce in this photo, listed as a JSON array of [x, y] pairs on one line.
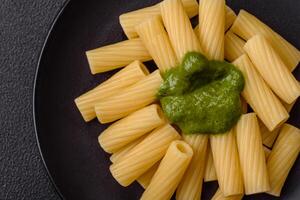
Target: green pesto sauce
[[202, 96]]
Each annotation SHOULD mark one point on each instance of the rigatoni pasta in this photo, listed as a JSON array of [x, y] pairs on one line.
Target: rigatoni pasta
[[210, 171], [190, 186], [251, 154], [233, 46], [129, 20], [129, 75], [144, 155], [272, 69], [179, 28], [211, 28], [230, 17], [282, 157], [130, 99], [219, 196], [117, 55], [169, 172], [156, 40], [145, 179], [259, 96]]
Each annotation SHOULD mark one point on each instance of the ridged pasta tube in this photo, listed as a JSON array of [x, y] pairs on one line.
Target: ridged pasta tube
[[233, 46], [117, 55], [129, 99], [252, 155], [210, 170], [143, 156], [129, 75], [259, 96], [190, 186], [131, 128], [282, 157], [169, 172], [219, 196], [272, 69], [145, 179], [247, 25], [156, 40], [129, 20], [267, 152], [179, 28], [212, 28], [244, 105], [230, 17], [226, 162]]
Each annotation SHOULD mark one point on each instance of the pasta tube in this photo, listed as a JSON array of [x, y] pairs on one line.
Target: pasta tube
[[129, 100], [247, 25], [117, 55], [272, 69], [259, 96], [169, 172], [219, 196], [210, 171], [251, 154], [129, 20], [244, 105], [212, 28], [131, 128], [282, 157], [156, 40], [233, 46], [267, 152], [230, 17], [190, 186], [226, 161], [145, 179], [143, 156], [179, 28], [129, 75]]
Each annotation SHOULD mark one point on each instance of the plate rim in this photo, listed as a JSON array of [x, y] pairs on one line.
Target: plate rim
[[38, 66]]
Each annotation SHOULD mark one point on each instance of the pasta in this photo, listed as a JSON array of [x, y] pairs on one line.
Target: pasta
[[131, 128], [282, 157], [233, 46], [251, 154], [169, 172], [145, 179], [244, 105], [143, 156], [272, 69], [226, 162], [219, 196], [129, 20], [179, 28], [157, 42], [130, 99], [117, 55], [122, 79], [230, 17], [212, 28], [267, 152], [247, 25], [210, 171], [259, 96], [190, 186]]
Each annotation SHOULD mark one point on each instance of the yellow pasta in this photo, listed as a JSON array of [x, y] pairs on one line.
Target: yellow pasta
[[233, 46], [156, 40], [282, 157], [129, 20], [267, 152], [117, 55], [143, 156], [131, 128], [259, 96], [124, 150], [251, 154], [230, 17], [226, 162], [244, 105], [122, 79], [210, 171], [247, 25], [169, 172], [179, 28], [130, 99], [190, 186], [219, 196], [212, 28], [145, 179], [272, 69]]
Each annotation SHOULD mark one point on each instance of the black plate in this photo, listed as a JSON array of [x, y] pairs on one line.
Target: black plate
[[69, 146]]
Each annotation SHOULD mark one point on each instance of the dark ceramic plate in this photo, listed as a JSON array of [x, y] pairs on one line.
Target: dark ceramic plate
[[69, 146]]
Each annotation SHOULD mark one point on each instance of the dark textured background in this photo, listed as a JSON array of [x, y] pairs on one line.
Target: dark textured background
[[23, 28]]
